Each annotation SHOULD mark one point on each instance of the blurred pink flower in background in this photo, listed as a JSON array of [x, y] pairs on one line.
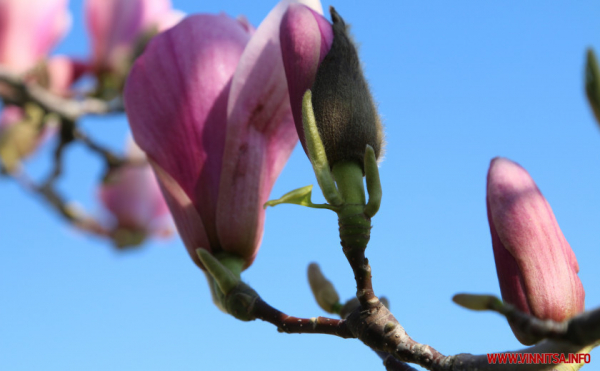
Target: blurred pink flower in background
[[29, 29], [117, 26], [132, 196], [536, 267], [10, 115], [63, 72], [216, 124]]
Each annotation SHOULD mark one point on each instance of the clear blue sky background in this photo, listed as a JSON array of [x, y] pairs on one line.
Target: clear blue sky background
[[458, 83]]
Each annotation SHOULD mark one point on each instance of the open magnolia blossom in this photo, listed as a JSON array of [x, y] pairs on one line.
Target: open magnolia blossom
[[29, 29], [132, 196], [216, 124], [536, 267], [116, 27]]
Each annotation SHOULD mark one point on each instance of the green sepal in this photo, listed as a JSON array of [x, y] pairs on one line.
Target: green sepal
[[228, 292], [240, 302], [217, 296], [316, 152], [373, 183], [225, 279], [300, 196]]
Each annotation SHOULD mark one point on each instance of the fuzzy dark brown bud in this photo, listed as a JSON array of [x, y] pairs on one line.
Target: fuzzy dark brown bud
[[344, 109]]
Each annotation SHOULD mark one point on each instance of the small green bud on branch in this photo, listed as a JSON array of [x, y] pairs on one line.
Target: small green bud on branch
[[323, 290]]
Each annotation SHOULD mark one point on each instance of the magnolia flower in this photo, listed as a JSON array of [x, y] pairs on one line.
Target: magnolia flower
[[215, 122], [322, 57], [131, 194], [536, 267], [117, 27], [29, 29]]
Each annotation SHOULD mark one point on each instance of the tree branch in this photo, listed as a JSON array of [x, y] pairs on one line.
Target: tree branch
[[70, 213], [294, 325], [23, 91], [377, 328], [112, 160]]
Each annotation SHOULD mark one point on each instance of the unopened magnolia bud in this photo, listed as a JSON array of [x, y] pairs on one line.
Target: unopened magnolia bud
[[323, 290], [344, 109], [477, 302], [536, 266], [385, 302]]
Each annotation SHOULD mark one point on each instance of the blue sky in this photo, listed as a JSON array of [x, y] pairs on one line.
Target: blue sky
[[457, 84]]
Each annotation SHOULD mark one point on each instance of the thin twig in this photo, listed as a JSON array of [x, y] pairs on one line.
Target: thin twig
[[112, 160], [70, 109], [65, 138], [70, 213], [295, 325]]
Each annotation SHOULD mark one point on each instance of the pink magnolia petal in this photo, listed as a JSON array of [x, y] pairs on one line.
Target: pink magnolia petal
[[525, 227], [163, 227], [312, 4], [154, 10], [159, 208], [113, 26], [62, 22], [169, 20], [188, 221], [512, 285], [260, 138], [246, 24], [176, 99], [306, 38], [29, 30]]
